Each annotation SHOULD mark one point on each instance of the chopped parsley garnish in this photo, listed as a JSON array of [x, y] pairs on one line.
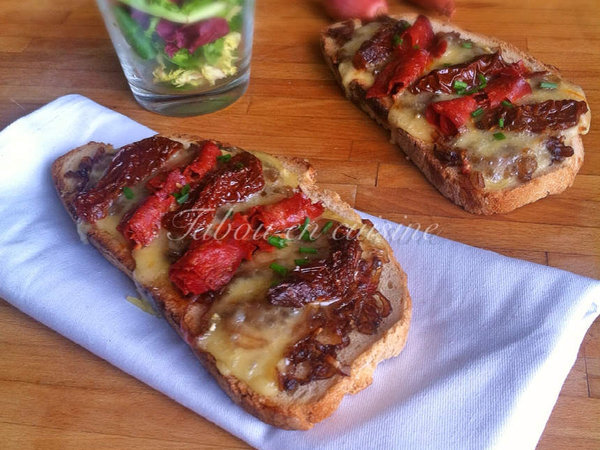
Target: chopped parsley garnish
[[548, 85], [327, 226], [305, 236], [501, 122], [507, 104], [460, 86], [183, 195], [128, 192], [224, 158], [482, 80], [304, 232], [477, 112], [301, 262], [277, 241], [499, 136], [416, 47], [238, 165], [466, 44], [307, 250], [279, 269], [397, 40], [302, 228]]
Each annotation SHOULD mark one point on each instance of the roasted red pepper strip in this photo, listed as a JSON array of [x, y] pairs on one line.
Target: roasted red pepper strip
[[439, 48], [286, 213], [209, 264], [409, 62], [157, 182], [143, 225], [419, 34], [398, 74], [238, 227], [449, 115], [204, 162], [509, 85]]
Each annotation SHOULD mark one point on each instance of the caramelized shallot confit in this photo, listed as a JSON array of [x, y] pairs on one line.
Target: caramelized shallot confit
[[347, 285]]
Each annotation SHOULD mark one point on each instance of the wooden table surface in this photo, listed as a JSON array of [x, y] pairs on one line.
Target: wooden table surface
[[54, 394]]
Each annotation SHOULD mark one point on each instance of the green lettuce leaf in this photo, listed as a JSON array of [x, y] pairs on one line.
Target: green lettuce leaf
[[190, 12], [186, 60], [160, 8], [210, 63], [213, 51], [134, 35]]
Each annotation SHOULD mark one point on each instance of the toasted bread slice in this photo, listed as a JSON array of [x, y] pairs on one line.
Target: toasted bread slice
[[309, 403], [467, 188]]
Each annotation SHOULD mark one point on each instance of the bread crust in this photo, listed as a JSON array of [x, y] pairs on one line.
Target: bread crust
[[448, 180], [283, 411]]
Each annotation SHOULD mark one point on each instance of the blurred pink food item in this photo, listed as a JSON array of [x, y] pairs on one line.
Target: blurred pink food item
[[361, 9], [445, 7]]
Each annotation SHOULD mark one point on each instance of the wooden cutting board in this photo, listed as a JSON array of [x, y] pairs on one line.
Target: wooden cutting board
[[54, 394]]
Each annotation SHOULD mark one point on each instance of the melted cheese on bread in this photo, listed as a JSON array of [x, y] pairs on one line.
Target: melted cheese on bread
[[492, 157]]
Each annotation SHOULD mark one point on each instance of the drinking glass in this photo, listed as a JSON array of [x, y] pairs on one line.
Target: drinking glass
[[182, 57]]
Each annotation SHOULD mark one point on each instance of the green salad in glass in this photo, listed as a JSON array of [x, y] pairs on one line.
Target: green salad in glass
[[182, 57], [190, 43]]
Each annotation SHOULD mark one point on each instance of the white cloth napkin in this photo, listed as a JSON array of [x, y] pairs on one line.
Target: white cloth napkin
[[491, 342]]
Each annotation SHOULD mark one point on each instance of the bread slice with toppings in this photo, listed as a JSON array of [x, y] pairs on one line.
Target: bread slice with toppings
[[289, 318], [489, 126]]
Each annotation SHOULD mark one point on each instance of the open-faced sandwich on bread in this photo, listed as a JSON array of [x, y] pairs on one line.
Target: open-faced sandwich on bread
[[489, 126], [286, 296]]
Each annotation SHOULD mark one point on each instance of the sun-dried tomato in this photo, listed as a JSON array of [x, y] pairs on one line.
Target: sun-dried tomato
[[378, 49], [450, 115], [441, 81], [232, 182], [536, 117], [131, 164]]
